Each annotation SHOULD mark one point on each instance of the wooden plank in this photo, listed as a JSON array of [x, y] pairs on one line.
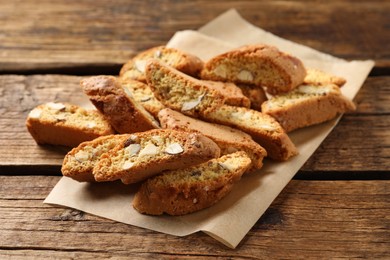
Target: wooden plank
[[17, 149], [84, 36], [310, 219], [360, 142]]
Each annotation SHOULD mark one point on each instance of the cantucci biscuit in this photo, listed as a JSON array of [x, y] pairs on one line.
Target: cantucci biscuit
[[181, 92], [255, 94], [117, 104], [143, 95], [318, 77], [230, 140], [191, 189], [263, 128], [149, 153], [259, 65], [65, 124], [79, 162], [307, 105], [233, 94], [187, 63]]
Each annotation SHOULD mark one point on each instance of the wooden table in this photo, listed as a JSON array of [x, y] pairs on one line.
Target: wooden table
[[337, 206]]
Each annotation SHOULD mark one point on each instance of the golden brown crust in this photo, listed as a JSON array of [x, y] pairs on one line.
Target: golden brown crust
[[255, 94], [181, 92], [188, 190], [117, 104], [230, 140], [259, 65], [65, 124], [263, 128], [146, 154], [79, 162], [307, 105], [184, 62], [233, 94]]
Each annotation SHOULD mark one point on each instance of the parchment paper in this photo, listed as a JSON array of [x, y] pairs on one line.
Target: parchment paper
[[229, 220]]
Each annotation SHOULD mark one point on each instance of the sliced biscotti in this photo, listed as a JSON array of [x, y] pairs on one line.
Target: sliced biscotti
[[318, 77], [181, 92], [117, 104], [187, 63], [233, 94], [259, 65], [65, 124], [79, 162], [263, 128], [230, 140], [191, 189], [307, 105], [149, 153], [143, 95], [255, 94]]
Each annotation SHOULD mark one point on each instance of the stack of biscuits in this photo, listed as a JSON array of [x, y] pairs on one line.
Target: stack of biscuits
[[188, 130]]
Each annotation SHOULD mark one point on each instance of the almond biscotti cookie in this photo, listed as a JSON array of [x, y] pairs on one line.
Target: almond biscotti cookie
[[181, 92], [149, 153], [259, 65], [307, 105], [65, 124], [143, 95], [230, 140], [187, 63], [318, 77], [79, 162], [191, 189], [118, 105], [263, 128], [233, 94]]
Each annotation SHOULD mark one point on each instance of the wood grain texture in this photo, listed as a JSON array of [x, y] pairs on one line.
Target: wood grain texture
[[361, 141], [87, 36], [310, 219], [19, 94], [315, 219]]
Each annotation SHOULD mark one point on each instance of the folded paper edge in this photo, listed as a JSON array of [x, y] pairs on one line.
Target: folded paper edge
[[222, 240]]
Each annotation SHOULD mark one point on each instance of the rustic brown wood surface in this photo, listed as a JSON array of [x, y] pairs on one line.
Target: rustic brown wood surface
[[338, 204], [86, 35], [314, 219]]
